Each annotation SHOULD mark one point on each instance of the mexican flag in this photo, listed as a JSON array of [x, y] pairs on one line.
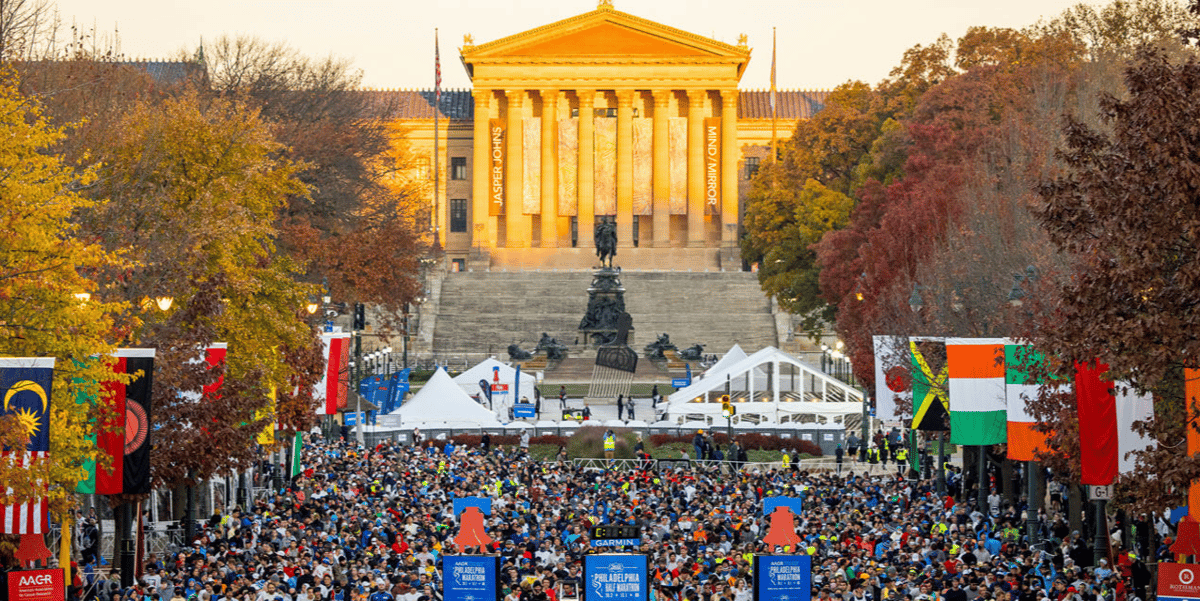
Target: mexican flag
[[976, 384], [1021, 386]]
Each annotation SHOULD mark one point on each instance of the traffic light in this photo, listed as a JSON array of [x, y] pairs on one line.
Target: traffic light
[[360, 317], [727, 408]]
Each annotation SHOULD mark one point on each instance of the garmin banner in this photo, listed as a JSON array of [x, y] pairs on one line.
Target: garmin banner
[[782, 578], [470, 578], [614, 578]]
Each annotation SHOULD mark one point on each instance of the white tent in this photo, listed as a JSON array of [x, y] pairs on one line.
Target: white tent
[[442, 401], [770, 384], [469, 380], [731, 357]]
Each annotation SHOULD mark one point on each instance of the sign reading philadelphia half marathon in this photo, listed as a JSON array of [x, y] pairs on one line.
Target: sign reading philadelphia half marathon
[[615, 577]]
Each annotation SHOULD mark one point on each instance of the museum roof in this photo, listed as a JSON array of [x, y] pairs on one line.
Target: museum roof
[[459, 104], [790, 104]]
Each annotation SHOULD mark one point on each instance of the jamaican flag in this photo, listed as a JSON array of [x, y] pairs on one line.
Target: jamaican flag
[[930, 376]]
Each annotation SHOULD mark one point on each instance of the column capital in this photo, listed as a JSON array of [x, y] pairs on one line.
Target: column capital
[[586, 97], [661, 97], [550, 93], [625, 98], [696, 97], [729, 97], [483, 96], [515, 97]]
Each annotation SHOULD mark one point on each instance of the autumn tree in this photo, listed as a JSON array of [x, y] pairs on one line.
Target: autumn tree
[[1126, 212], [196, 183], [359, 228], [49, 306]]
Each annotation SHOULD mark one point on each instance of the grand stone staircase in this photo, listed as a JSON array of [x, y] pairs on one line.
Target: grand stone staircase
[[487, 311]]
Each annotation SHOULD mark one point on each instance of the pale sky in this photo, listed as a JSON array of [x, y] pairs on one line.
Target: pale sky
[[820, 44]]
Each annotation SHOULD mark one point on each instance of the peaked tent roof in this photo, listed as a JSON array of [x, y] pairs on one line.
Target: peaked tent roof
[[733, 355], [441, 400], [468, 380]]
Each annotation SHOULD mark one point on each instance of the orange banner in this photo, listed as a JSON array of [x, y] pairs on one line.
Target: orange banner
[[496, 136], [712, 165]]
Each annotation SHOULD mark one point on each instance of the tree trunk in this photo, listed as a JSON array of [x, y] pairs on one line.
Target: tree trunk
[[1075, 507]]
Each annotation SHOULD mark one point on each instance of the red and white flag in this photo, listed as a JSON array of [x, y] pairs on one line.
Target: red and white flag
[[333, 389], [1107, 411]]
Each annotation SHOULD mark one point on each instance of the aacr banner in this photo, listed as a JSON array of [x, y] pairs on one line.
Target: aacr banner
[[496, 160], [36, 585], [712, 165], [471, 578], [615, 577], [782, 578], [1178, 582]]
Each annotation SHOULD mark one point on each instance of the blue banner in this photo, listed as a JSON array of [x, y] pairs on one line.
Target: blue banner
[[470, 578], [25, 383], [524, 410], [618, 542], [615, 578], [397, 387], [782, 578]]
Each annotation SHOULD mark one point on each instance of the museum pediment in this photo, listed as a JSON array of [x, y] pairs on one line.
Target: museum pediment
[[604, 33]]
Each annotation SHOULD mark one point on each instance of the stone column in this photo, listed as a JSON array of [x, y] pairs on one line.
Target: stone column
[[729, 172], [695, 220], [625, 168], [586, 210], [483, 234], [662, 170], [517, 223], [549, 168]]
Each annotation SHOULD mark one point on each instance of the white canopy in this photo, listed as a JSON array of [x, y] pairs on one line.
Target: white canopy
[[733, 355], [442, 401], [469, 380]]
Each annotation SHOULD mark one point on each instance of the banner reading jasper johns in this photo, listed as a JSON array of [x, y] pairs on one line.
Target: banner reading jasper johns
[[614, 577], [470, 578], [782, 578]]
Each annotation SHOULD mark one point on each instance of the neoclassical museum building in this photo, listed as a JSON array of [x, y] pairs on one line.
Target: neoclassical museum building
[[604, 116]]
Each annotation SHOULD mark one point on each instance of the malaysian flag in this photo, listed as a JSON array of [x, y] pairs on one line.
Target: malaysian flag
[[26, 384]]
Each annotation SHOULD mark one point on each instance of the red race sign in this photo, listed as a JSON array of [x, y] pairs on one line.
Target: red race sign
[[1179, 580], [36, 585]]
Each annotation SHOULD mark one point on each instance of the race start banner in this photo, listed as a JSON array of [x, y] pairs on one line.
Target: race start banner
[[471, 578], [1178, 582], [36, 585], [615, 577], [782, 578]]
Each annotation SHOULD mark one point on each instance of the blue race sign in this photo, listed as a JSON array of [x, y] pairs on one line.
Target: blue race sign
[[524, 410], [782, 578], [681, 382], [615, 578], [470, 578]]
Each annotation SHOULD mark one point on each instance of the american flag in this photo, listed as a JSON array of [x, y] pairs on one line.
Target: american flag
[[26, 383], [437, 72]]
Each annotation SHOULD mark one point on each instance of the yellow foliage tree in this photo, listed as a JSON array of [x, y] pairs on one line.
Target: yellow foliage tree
[[47, 306]]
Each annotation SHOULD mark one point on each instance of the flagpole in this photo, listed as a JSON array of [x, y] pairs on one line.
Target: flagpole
[[774, 112], [437, 104]]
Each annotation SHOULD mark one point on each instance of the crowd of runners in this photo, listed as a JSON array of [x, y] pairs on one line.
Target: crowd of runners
[[372, 525]]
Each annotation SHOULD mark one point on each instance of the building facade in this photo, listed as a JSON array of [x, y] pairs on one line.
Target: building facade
[[600, 117]]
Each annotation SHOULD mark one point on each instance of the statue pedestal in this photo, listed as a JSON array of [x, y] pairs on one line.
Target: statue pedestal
[[606, 303]]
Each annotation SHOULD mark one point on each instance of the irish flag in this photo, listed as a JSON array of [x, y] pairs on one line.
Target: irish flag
[[1021, 386], [977, 397]]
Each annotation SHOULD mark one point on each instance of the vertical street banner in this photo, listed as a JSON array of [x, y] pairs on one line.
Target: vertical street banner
[[1021, 364], [893, 377], [26, 384], [37, 585], [497, 159], [332, 391], [978, 401], [930, 386], [712, 164], [214, 357], [615, 577], [471, 578], [782, 578], [135, 474]]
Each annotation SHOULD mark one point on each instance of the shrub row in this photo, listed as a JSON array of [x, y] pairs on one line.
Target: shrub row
[[747, 441]]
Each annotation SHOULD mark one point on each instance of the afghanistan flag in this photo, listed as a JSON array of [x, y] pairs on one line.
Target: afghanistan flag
[[929, 384], [977, 397], [26, 382]]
